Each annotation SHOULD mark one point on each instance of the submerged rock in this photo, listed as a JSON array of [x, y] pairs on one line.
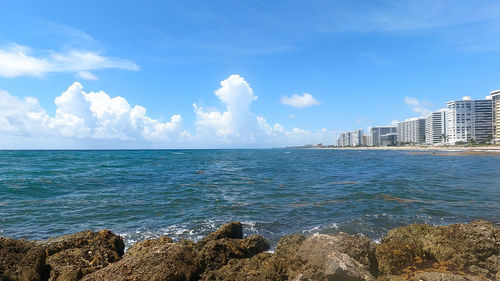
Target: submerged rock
[[21, 260], [70, 257]]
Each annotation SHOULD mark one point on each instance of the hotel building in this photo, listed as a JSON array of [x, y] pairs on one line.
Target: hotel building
[[435, 127], [411, 131], [469, 119]]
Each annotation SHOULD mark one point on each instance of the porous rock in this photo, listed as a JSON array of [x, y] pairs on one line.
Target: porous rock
[[21, 260], [72, 256], [329, 257], [157, 259]]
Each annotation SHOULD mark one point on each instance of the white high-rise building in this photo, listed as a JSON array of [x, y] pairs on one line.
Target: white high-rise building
[[468, 120], [435, 127], [411, 131], [377, 132], [352, 138], [495, 96]]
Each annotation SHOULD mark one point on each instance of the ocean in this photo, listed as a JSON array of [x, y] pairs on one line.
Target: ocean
[[143, 194]]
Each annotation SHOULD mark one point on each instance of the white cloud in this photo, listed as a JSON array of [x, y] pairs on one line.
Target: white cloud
[[87, 75], [295, 100], [418, 106], [81, 115], [88, 117], [17, 60]]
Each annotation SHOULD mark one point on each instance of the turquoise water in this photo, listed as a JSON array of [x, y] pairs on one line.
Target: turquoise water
[[188, 193]]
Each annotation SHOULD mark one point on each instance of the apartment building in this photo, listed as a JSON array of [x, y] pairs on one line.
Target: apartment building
[[468, 120], [411, 131], [435, 127], [495, 96], [352, 138], [377, 132]]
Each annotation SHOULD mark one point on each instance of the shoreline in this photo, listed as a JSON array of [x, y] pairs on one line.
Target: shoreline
[[488, 149]]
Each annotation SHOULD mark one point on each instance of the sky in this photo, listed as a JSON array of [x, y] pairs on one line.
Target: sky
[[234, 74]]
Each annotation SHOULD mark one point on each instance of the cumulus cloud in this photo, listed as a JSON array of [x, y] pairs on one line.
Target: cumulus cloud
[[295, 100], [81, 115], [17, 60], [239, 125], [96, 116], [418, 106]]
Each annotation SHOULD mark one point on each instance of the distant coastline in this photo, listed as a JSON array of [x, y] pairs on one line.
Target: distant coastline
[[450, 148]]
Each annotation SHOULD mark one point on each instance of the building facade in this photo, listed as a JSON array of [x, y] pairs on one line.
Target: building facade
[[352, 138], [495, 96], [435, 127], [377, 132], [411, 131], [469, 120]]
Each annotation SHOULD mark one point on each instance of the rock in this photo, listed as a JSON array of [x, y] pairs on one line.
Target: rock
[[232, 230], [21, 260], [72, 256], [334, 266], [436, 276], [217, 253], [260, 267], [394, 256], [359, 248], [333, 257], [158, 259], [473, 247], [289, 245]]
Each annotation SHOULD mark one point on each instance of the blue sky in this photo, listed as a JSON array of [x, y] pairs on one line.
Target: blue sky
[[196, 74]]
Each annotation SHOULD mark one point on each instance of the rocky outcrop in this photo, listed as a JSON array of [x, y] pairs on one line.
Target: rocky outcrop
[[158, 259], [333, 257], [458, 252], [21, 260], [73, 256], [164, 259], [459, 249]]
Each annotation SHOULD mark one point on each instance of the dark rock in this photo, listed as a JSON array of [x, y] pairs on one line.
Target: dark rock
[[158, 259], [217, 253], [232, 230], [260, 267], [21, 260], [328, 257], [72, 256], [289, 245]]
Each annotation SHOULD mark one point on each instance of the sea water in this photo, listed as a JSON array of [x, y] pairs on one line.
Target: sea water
[[273, 192]]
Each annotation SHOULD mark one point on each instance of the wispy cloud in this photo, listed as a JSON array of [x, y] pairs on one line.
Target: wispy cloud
[[17, 60], [304, 100], [418, 106]]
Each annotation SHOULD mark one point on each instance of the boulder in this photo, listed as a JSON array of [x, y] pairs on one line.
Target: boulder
[[473, 247], [232, 230], [359, 248], [437, 276], [21, 260], [217, 253], [260, 267], [157, 259], [72, 256], [333, 257]]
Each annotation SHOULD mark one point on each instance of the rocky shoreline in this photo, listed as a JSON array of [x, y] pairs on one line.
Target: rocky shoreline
[[456, 252]]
